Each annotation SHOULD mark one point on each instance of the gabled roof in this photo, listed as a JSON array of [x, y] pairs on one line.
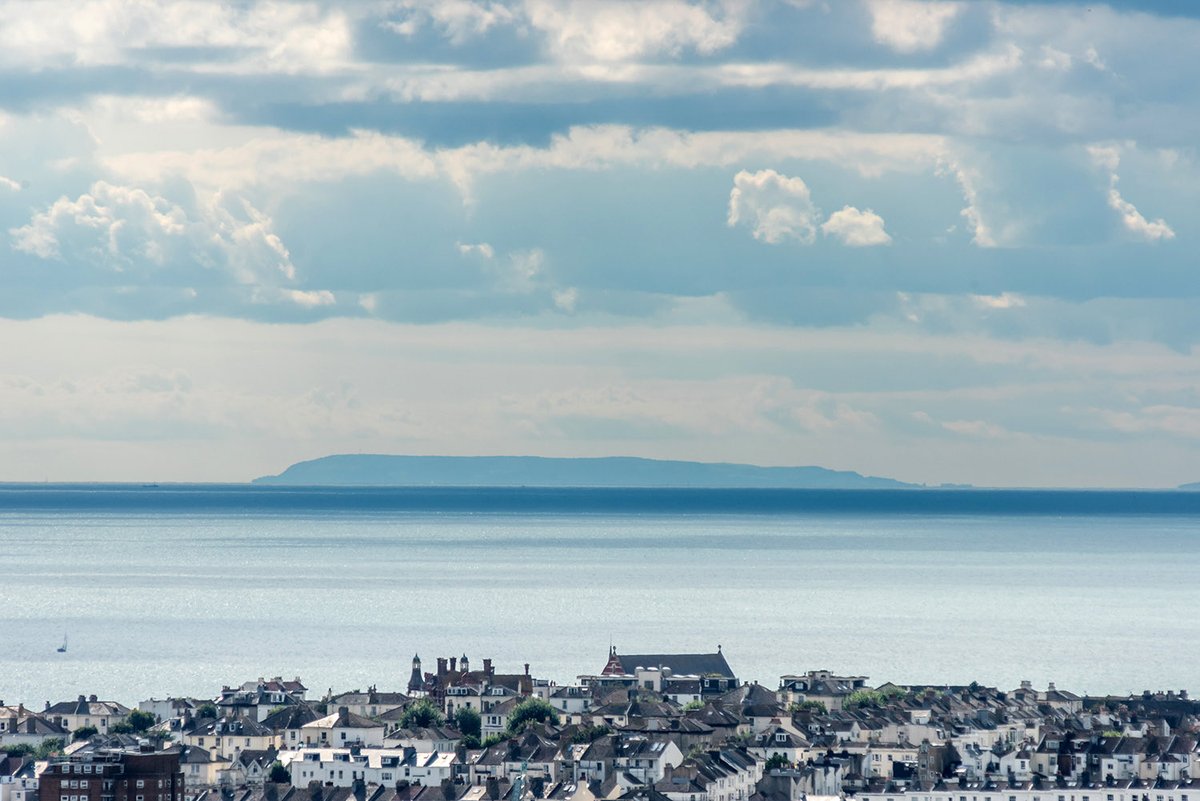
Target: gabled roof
[[343, 719]]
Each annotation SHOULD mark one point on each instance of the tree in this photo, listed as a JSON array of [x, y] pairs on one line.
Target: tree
[[587, 734], [492, 739], [808, 706], [279, 774], [778, 762], [421, 715], [692, 706], [206, 711], [49, 747], [19, 749], [468, 722], [469, 741], [83, 732], [531, 711], [139, 721]]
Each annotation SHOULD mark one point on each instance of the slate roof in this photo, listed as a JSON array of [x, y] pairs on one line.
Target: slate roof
[[682, 664]]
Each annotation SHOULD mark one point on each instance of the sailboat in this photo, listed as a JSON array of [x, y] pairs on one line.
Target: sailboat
[[62, 649]]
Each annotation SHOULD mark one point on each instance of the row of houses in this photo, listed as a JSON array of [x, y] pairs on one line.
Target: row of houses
[[673, 727]]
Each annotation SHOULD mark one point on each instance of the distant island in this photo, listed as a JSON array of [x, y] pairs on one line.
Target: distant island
[[1192, 487], [381, 470]]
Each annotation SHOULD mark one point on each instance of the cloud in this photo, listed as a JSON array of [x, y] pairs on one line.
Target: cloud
[[459, 20], [481, 248], [138, 237], [856, 228], [977, 428], [9, 183], [614, 30], [288, 38], [909, 26], [775, 207], [1005, 300], [967, 179], [1108, 157]]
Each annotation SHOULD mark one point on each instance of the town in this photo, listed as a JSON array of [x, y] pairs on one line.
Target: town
[[644, 727]]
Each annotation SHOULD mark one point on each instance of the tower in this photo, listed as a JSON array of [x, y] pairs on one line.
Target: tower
[[466, 668], [416, 682]]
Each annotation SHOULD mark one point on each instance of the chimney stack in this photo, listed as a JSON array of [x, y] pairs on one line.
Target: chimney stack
[[441, 664], [526, 668], [454, 664], [487, 667]]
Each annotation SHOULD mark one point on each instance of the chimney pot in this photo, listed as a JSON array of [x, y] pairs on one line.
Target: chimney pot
[[454, 664]]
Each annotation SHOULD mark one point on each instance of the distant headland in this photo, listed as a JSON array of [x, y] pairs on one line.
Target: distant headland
[[381, 470]]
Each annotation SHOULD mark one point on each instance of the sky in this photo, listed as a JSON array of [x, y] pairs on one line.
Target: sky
[[936, 241]]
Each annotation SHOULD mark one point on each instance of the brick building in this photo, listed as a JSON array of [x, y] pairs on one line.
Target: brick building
[[109, 775]]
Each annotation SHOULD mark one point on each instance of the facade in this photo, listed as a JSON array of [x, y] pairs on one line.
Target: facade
[[105, 775]]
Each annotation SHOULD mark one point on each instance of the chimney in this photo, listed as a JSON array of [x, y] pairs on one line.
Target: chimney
[[270, 791], [487, 667], [526, 668], [1051, 688], [454, 664], [448, 790], [315, 792], [82, 699], [359, 788], [92, 698], [493, 788], [441, 666]]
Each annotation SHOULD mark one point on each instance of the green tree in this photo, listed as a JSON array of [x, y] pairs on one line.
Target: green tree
[[206, 711], [468, 722], [121, 727], [19, 749], [470, 741], [421, 715], [778, 762], [692, 706], [49, 747], [587, 734], [139, 721], [492, 739], [808, 706], [83, 732], [531, 711], [279, 774]]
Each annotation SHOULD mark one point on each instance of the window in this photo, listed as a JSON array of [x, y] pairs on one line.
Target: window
[[141, 783]]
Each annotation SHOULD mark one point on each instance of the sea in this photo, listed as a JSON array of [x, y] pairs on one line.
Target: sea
[[173, 590]]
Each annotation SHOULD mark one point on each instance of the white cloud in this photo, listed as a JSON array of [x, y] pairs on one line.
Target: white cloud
[[565, 299], [460, 20], [967, 179], [856, 228], [310, 298], [775, 206], [1091, 56], [1005, 300], [614, 30], [977, 428], [481, 248], [9, 183], [128, 230], [1108, 157], [908, 26], [259, 36]]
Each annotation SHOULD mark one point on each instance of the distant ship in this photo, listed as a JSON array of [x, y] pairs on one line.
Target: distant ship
[[62, 649]]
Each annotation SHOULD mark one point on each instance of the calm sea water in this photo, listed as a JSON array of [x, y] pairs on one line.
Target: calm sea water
[[181, 589]]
